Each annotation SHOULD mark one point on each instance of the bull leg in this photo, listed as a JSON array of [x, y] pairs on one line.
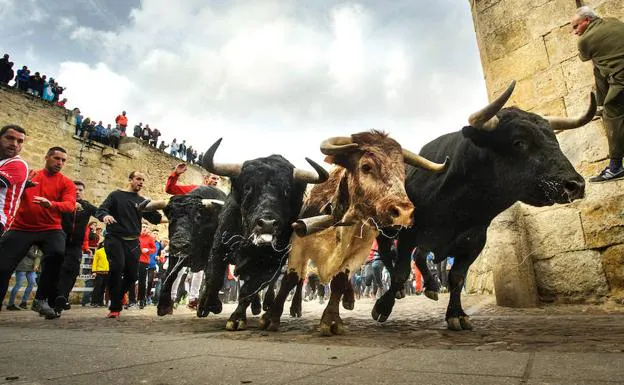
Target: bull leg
[[456, 318], [331, 323], [256, 304], [271, 319], [165, 304], [348, 296], [430, 284], [269, 297], [238, 319], [213, 281], [295, 305], [398, 275]]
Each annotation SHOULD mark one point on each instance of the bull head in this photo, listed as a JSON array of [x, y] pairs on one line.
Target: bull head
[[486, 119], [234, 169], [342, 144]]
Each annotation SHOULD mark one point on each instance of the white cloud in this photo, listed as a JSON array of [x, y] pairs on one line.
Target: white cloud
[[276, 78]]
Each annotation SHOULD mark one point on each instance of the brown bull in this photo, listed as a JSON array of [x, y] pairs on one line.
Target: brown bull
[[364, 193]]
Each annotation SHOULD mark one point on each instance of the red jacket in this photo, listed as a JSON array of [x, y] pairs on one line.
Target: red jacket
[[58, 189], [174, 188], [147, 242]]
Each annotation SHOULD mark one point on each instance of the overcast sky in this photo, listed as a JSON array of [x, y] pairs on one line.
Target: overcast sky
[[267, 76]]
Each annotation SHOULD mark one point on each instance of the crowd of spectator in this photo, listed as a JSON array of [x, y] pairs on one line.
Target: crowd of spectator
[[87, 128]]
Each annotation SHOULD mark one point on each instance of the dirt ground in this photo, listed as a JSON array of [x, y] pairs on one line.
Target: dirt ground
[[416, 322]]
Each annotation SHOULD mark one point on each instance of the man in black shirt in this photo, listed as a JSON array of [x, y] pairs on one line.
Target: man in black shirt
[[74, 225], [123, 225]]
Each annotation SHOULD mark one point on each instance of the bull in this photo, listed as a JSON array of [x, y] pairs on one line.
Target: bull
[[193, 219], [364, 192], [503, 156], [254, 228]]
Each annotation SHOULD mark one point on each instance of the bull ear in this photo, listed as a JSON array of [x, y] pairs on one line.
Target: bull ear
[[480, 138]]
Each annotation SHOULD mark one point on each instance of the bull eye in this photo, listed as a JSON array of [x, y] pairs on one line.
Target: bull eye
[[366, 168], [520, 145]]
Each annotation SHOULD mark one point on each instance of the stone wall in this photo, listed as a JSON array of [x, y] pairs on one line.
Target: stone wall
[[100, 167], [576, 250]]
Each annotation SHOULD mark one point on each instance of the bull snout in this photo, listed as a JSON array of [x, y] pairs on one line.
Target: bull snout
[[401, 215], [574, 188], [264, 231], [266, 226], [393, 211]]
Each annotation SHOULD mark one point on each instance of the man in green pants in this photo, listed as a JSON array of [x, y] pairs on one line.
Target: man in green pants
[[601, 40]]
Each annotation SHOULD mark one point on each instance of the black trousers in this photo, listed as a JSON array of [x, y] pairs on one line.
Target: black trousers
[[70, 269], [151, 275], [14, 244], [97, 297], [123, 261], [142, 281]]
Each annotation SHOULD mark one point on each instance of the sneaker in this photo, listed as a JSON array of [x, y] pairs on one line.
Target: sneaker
[[12, 307], [60, 304], [35, 305], [45, 310], [113, 314], [607, 175], [193, 304], [23, 305]]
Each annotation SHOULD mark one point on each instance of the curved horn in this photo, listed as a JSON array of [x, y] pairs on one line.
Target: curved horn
[[225, 169], [210, 202], [307, 226], [337, 145], [424, 163], [319, 176], [485, 118], [565, 123]]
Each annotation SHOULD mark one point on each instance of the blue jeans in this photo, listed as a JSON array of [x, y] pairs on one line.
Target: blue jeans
[[174, 153], [31, 276]]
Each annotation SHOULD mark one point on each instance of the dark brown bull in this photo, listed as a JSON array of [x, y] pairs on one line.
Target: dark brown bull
[[364, 193]]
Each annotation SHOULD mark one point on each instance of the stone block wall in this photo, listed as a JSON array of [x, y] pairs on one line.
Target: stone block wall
[[576, 250]]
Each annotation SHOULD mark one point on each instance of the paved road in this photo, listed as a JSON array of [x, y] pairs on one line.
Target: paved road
[[563, 344]]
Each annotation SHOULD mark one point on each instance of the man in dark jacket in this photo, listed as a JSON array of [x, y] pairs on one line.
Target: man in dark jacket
[[75, 228], [601, 40], [120, 212]]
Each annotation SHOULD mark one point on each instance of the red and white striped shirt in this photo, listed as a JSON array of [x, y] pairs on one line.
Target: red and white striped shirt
[[13, 177]]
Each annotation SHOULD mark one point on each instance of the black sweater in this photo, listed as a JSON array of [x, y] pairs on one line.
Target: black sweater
[[74, 224], [122, 205]]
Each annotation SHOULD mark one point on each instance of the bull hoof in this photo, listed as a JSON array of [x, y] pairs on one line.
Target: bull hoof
[[400, 294], [453, 324], [264, 321], [325, 330], [230, 326], [202, 313], [216, 308], [377, 316], [256, 307], [241, 325], [338, 329], [273, 326], [431, 294], [349, 305], [163, 311], [465, 322]]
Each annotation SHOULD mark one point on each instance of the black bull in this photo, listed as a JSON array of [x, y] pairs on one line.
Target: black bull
[[191, 230], [254, 227], [508, 156]]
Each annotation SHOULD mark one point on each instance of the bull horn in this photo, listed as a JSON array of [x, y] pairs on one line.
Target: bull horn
[[222, 169], [308, 226], [149, 205], [485, 119], [424, 163], [319, 176], [566, 123], [209, 202], [337, 145]]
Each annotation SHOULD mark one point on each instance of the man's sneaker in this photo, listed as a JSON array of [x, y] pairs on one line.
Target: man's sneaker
[[113, 314], [13, 307], [35, 305], [193, 304], [607, 175], [45, 310], [23, 305]]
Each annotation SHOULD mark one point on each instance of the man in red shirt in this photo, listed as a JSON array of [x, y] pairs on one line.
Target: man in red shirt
[[148, 247], [172, 187], [13, 172], [122, 121], [38, 222]]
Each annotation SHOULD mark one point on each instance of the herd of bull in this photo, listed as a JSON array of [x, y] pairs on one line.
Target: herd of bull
[[442, 201]]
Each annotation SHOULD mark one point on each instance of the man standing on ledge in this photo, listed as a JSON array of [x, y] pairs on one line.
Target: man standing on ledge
[[120, 212], [38, 222], [601, 40]]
